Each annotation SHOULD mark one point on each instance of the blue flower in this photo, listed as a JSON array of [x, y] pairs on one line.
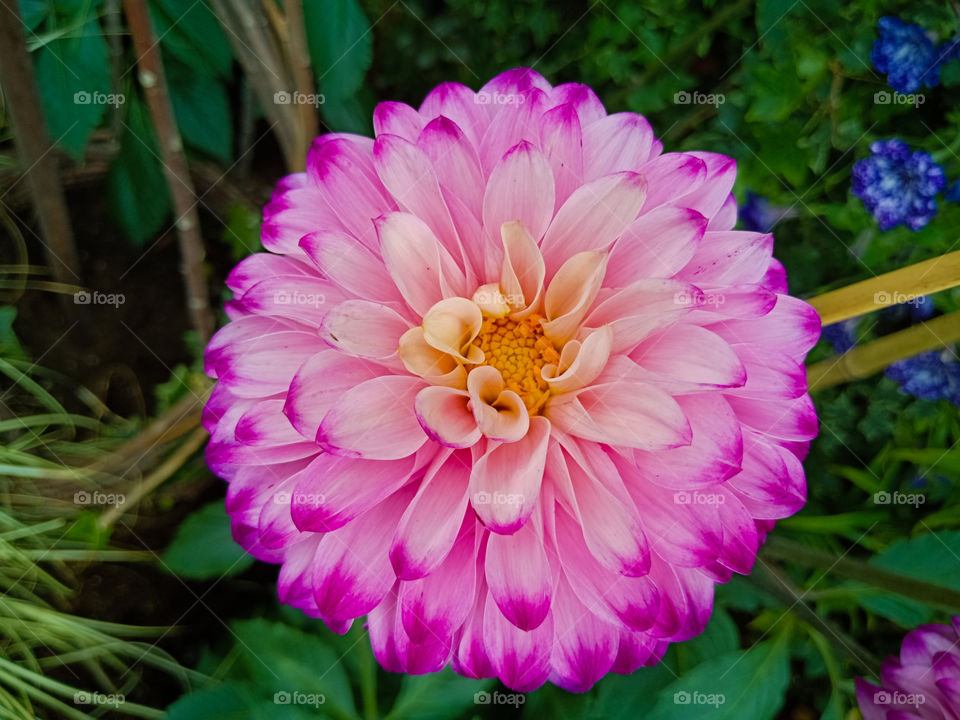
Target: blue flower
[[898, 186], [842, 335], [907, 55], [953, 192], [758, 215], [918, 308], [928, 376]]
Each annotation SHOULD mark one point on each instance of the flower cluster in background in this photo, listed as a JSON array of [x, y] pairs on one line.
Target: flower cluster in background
[[908, 56], [897, 186], [929, 376]]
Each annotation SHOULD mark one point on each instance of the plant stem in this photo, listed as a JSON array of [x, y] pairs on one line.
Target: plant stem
[[774, 581], [937, 595], [38, 161], [865, 360], [922, 278], [154, 479], [175, 167]]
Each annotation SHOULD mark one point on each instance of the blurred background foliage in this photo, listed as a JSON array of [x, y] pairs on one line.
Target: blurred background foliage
[[149, 599]]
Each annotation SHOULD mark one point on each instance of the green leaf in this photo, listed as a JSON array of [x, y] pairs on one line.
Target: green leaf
[[202, 110], [242, 232], [552, 702], [720, 636], [340, 42], [203, 547], [10, 346], [282, 659], [233, 701], [136, 186], [73, 77], [629, 697], [191, 33], [33, 12], [742, 685], [931, 558], [439, 696]]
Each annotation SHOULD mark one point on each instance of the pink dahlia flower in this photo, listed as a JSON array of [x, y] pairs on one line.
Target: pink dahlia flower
[[508, 384], [923, 683]]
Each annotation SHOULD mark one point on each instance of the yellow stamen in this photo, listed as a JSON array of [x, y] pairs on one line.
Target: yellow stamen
[[519, 350]]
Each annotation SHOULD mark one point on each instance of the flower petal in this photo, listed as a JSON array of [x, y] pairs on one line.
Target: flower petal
[[593, 217], [671, 176], [319, 383], [396, 118], [618, 142], [562, 143], [571, 294], [590, 488], [332, 490], [350, 265], [445, 416], [451, 325], [374, 420], [585, 646], [590, 360], [364, 329], [352, 572], [630, 414], [407, 172], [519, 574], [431, 522], [520, 188], [685, 358], [421, 358], [505, 481], [523, 272], [435, 606], [520, 657], [341, 167], [657, 244], [420, 266]]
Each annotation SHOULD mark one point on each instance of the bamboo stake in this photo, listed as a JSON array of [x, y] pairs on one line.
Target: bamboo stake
[[923, 278], [863, 361], [175, 166]]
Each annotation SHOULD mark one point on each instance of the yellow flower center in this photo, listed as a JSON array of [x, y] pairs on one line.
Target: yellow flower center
[[519, 350]]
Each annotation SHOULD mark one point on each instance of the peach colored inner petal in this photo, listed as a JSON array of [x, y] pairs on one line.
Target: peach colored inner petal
[[451, 325], [571, 293], [523, 271]]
